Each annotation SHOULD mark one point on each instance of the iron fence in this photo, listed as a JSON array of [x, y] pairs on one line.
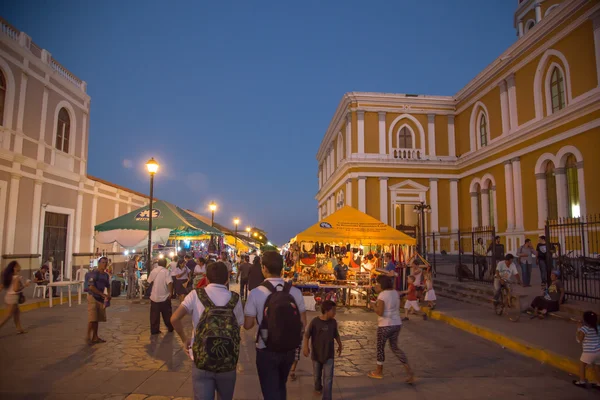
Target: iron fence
[[574, 247]]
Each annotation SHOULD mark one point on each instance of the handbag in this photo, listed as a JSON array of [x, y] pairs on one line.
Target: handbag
[[21, 298]]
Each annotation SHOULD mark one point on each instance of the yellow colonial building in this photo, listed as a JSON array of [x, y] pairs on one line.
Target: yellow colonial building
[[517, 145]]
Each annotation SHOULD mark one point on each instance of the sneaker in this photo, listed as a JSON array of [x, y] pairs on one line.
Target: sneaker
[[405, 319]]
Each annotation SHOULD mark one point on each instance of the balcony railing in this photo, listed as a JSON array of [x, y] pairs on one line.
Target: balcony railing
[[407, 154]]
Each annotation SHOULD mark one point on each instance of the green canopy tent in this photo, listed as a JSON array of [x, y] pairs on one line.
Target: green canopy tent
[[131, 230]]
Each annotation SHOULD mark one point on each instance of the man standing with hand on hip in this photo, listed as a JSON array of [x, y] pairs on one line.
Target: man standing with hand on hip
[[160, 298]]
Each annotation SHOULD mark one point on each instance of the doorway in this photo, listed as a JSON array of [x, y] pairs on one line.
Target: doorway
[[55, 237]]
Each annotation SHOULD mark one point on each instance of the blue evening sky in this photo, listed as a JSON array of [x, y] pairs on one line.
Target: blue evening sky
[[233, 97]]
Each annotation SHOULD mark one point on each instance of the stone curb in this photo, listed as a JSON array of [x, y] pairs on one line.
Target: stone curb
[[43, 304]]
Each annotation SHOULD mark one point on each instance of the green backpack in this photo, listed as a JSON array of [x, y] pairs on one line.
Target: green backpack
[[216, 345]]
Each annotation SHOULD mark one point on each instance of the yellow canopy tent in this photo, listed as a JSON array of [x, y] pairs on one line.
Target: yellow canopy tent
[[348, 225]]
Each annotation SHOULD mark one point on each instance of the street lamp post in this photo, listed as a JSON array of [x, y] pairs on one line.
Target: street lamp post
[[236, 222], [152, 167], [248, 229], [421, 209], [213, 208]]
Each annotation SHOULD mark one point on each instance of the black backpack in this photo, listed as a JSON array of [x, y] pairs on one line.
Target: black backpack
[[281, 319]]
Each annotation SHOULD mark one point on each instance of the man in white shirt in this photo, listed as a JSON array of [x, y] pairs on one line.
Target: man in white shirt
[[273, 367], [160, 298], [505, 271], [205, 383]]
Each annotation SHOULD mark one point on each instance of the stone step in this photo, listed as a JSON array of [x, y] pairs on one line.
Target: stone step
[[464, 295]]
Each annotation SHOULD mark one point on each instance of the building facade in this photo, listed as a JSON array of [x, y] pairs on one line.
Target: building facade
[[48, 204], [515, 147]]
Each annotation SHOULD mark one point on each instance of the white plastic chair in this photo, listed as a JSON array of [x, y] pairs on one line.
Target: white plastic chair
[[80, 276], [40, 287]]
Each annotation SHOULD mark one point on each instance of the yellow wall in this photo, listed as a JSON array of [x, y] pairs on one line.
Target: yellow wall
[[354, 133], [371, 132], [372, 186], [354, 193], [492, 103], [444, 203], [461, 131], [441, 135]]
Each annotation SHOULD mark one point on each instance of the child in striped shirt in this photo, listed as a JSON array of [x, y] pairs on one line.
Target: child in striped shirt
[[588, 336]]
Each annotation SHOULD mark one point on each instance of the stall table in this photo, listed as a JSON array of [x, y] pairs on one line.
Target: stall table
[[349, 288], [61, 285]]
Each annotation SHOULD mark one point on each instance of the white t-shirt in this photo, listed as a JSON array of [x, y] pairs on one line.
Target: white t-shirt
[[256, 302], [160, 290], [172, 265], [178, 271], [220, 296], [391, 308], [505, 272], [200, 269]]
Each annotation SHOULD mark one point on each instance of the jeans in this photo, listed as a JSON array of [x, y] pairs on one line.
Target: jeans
[[543, 270], [526, 269], [482, 264], [131, 285], [273, 370], [244, 288], [498, 284], [156, 310], [323, 374], [205, 384]]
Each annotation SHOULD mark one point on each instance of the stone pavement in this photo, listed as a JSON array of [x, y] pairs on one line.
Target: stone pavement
[[52, 362]]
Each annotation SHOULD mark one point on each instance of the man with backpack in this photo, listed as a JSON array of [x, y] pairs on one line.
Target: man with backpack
[[214, 346], [279, 310]]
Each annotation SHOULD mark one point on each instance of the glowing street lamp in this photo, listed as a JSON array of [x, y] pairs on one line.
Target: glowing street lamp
[[213, 207], [152, 167], [248, 229], [236, 222]]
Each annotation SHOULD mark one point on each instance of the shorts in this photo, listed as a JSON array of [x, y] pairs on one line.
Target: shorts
[[414, 304], [96, 310], [590, 358]]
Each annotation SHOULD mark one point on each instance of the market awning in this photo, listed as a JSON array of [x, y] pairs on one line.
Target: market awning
[[348, 225], [131, 230]]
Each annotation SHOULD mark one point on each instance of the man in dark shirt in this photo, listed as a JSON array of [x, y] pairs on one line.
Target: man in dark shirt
[[243, 273], [341, 274], [497, 249], [542, 251], [323, 331], [97, 300], [255, 276], [190, 263]]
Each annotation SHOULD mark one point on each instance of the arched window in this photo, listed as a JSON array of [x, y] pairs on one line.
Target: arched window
[[491, 203], [2, 97], [483, 131], [405, 139], [551, 200], [573, 210], [479, 207], [63, 130], [530, 24], [557, 90]]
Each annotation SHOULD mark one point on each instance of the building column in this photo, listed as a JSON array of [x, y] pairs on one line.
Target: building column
[[512, 102], [78, 216], [35, 215], [542, 201], [510, 200], [538, 12], [348, 135], [42, 137], [504, 108], [474, 210], [581, 185], [433, 202], [319, 177], [383, 200], [453, 212], [596, 23], [93, 218], [349, 192], [431, 134], [331, 161], [495, 210], [18, 144], [11, 217], [485, 207], [521, 28], [382, 148], [518, 193], [561, 192], [361, 131], [362, 193], [451, 137], [84, 137]]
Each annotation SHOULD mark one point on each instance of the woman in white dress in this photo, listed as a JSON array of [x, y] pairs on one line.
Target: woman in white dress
[[429, 292], [12, 281]]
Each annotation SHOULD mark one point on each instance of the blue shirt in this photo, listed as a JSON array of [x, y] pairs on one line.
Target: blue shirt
[[390, 266], [341, 272], [99, 280]]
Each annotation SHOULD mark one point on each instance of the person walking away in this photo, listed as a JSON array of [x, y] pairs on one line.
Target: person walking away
[[12, 281], [341, 274], [180, 277], [255, 276], [323, 330], [97, 300], [214, 347], [430, 297], [389, 325], [588, 336], [280, 312], [550, 301], [542, 250], [481, 259], [412, 300], [497, 250], [243, 274], [526, 255], [132, 267], [160, 297], [199, 273], [505, 272], [190, 263]]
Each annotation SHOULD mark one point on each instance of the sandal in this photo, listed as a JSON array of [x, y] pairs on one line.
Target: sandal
[[582, 384], [99, 341], [411, 379], [374, 375], [21, 332]]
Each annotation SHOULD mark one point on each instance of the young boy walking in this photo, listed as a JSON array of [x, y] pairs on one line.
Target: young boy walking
[[412, 301], [323, 331]]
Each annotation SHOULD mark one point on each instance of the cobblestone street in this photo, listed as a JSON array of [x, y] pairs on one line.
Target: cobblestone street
[[52, 362]]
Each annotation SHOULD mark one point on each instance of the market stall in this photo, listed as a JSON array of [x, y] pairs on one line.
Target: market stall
[[348, 237]]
